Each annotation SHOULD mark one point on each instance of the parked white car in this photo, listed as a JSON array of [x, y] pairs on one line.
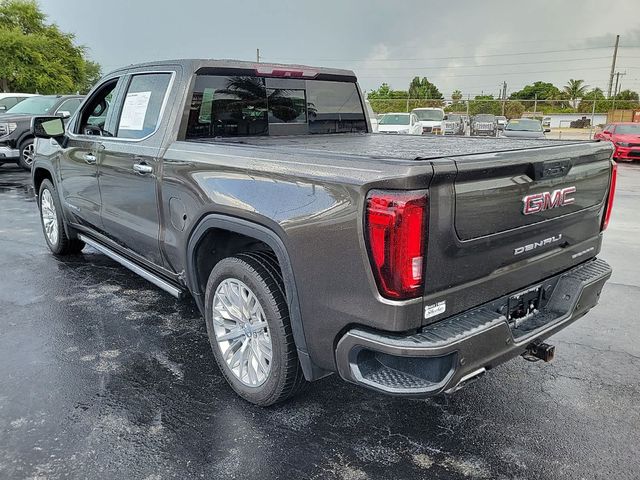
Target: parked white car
[[404, 123], [8, 100], [430, 119], [373, 118]]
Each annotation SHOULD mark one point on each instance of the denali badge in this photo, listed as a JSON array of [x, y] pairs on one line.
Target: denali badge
[[539, 202], [534, 245]]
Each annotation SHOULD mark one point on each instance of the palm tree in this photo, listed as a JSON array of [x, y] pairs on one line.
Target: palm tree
[[575, 89]]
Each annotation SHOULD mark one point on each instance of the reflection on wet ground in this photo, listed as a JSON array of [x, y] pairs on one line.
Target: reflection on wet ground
[[105, 376]]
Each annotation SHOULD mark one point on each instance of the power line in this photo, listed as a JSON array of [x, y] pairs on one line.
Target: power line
[[493, 74], [486, 65], [548, 40], [537, 52]]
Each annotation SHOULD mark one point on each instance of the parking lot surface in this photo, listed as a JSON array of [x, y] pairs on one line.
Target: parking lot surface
[[104, 376]]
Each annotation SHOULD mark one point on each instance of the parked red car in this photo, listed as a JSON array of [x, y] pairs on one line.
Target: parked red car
[[626, 138]]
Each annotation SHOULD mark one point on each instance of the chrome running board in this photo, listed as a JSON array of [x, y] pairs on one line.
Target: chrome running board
[[135, 268]]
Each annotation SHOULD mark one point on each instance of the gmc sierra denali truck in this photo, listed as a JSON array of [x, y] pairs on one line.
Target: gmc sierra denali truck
[[409, 265]]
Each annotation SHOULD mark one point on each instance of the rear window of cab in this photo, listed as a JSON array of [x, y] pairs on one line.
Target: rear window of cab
[[231, 106]]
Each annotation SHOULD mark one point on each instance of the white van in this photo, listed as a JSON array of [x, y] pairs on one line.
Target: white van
[[430, 119]]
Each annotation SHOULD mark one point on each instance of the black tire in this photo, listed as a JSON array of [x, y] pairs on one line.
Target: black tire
[[63, 245], [24, 160], [259, 271]]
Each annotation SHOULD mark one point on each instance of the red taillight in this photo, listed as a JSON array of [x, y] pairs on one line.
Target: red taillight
[[396, 232], [612, 193]]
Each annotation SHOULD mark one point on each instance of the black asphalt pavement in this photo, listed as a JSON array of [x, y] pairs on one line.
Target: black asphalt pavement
[[104, 376]]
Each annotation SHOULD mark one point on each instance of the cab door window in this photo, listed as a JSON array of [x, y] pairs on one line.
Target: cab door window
[[93, 117], [142, 105]]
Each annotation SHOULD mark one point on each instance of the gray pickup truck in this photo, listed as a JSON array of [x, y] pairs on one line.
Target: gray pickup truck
[[409, 265]]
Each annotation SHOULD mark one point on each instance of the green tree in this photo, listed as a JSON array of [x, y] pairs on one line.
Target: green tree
[[594, 94], [39, 57], [456, 96], [628, 95], [385, 99], [541, 90], [423, 88], [513, 110], [485, 104], [386, 92], [575, 89]]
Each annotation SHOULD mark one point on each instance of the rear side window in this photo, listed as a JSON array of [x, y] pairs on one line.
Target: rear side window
[[228, 106], [334, 107], [142, 105]]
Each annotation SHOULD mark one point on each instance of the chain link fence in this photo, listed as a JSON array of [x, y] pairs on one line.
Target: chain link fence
[[614, 110], [567, 119]]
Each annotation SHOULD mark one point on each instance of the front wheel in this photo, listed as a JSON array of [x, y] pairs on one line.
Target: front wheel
[[27, 153], [249, 328], [53, 224]]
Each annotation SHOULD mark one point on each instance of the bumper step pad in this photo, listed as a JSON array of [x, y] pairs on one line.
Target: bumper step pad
[[439, 356]]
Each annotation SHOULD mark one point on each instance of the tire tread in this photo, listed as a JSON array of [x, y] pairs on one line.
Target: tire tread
[[264, 266]]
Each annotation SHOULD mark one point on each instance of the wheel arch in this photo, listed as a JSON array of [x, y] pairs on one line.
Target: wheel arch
[[38, 174], [270, 238], [25, 136]]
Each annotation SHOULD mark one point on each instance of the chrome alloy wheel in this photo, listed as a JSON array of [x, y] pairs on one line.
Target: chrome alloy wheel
[[28, 153], [49, 217], [242, 332]]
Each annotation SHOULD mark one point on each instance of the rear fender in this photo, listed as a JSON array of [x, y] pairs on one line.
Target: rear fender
[[273, 240]]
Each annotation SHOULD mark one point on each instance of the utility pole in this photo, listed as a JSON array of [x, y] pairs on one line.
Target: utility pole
[[535, 104], [613, 65], [593, 117], [504, 95], [257, 55], [616, 91], [618, 88]]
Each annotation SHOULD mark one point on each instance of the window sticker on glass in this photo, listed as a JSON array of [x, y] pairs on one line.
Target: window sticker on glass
[[134, 110]]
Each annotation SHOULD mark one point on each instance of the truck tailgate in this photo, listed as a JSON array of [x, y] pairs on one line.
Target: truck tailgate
[[489, 195], [516, 218]]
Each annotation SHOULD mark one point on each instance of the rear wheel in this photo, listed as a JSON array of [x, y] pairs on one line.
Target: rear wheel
[[53, 223], [27, 152], [249, 328]]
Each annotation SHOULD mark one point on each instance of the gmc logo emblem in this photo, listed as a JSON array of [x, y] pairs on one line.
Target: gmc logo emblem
[[539, 202]]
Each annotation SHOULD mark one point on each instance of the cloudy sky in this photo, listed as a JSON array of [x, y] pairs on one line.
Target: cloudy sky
[[465, 45]]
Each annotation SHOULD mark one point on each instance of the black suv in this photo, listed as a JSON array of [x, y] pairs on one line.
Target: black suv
[[16, 140]]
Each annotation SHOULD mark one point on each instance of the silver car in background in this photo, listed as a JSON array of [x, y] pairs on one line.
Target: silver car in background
[[524, 128], [454, 124], [484, 124]]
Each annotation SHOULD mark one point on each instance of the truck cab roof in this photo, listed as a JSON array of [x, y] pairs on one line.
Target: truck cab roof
[[228, 66]]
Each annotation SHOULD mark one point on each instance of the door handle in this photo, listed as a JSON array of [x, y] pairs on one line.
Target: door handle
[[90, 158], [142, 168]]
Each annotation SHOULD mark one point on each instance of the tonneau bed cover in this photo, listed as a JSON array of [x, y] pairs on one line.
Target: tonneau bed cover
[[394, 146]]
